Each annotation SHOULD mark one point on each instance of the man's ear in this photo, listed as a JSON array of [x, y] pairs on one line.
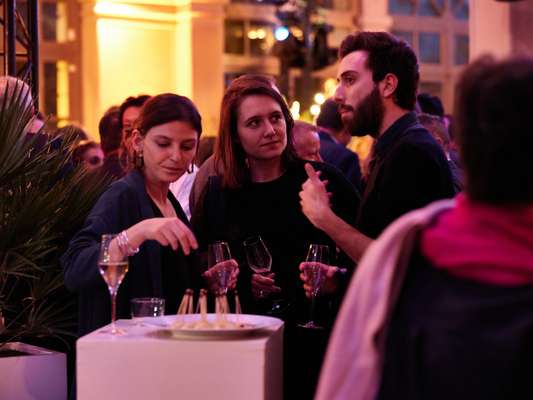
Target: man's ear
[[388, 85]]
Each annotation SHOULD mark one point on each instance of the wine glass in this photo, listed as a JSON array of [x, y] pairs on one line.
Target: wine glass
[[216, 253], [317, 257], [258, 256], [113, 267]]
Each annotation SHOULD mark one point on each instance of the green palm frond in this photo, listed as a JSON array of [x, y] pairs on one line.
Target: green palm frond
[[43, 200]]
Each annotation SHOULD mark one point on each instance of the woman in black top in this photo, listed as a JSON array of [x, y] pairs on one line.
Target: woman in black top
[[256, 193], [150, 219]]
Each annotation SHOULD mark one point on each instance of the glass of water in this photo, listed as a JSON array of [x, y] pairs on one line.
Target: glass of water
[[146, 307]]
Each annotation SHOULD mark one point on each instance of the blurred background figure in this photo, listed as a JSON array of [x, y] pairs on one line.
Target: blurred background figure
[[429, 104], [333, 139], [181, 189], [129, 111], [306, 141], [432, 105], [435, 125], [205, 149], [79, 133], [110, 140], [329, 122], [89, 154]]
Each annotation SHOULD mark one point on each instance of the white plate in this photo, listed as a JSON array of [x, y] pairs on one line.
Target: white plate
[[253, 325]]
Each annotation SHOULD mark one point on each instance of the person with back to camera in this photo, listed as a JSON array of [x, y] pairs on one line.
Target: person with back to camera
[[155, 232]]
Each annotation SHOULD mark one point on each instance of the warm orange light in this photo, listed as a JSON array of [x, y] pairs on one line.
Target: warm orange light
[[329, 87], [113, 9]]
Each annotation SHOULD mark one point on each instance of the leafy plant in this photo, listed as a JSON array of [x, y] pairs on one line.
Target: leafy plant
[[43, 200]]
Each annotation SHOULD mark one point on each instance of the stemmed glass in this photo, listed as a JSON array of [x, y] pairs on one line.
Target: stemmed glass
[[216, 253], [258, 256], [113, 268], [317, 256]]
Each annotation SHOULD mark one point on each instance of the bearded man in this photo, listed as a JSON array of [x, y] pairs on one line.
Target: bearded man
[[376, 94]]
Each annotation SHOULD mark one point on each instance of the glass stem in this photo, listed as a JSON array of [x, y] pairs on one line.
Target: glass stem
[[312, 309], [113, 311]]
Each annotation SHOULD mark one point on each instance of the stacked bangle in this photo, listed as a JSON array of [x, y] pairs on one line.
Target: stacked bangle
[[124, 244]]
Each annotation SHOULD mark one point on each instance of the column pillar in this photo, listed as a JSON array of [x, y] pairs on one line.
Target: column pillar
[[199, 55], [149, 47], [374, 16], [500, 29]]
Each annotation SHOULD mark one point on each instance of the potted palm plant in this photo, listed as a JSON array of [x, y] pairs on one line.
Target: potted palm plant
[[43, 198]]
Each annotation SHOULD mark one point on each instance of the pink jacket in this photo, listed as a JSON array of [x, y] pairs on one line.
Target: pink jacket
[[352, 367]]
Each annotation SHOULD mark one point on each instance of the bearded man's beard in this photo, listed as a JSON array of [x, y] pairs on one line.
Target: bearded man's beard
[[366, 119]]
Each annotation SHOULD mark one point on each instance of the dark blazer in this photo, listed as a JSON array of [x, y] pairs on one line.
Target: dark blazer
[[339, 156], [124, 204], [408, 171]]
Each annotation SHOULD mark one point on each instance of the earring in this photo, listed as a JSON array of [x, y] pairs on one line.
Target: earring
[[138, 160], [190, 168]]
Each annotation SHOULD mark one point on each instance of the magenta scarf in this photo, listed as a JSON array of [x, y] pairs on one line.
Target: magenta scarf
[[485, 243]]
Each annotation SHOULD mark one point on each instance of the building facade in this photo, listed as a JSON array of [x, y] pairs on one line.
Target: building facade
[[96, 53]]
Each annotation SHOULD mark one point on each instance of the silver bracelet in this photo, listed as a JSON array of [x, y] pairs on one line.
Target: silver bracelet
[[124, 244]]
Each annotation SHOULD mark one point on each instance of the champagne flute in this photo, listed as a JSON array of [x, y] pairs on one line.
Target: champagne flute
[[317, 256], [113, 268], [216, 253], [258, 256]]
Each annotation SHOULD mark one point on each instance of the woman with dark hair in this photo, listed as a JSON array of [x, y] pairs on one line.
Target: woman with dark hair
[[256, 193], [155, 232]]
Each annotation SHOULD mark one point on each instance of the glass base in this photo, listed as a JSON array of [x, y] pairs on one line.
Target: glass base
[[113, 331], [310, 325]]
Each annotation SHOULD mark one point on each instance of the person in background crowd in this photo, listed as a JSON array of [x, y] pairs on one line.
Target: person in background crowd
[[9, 86], [89, 154], [110, 140], [79, 133], [333, 143], [205, 149], [181, 188], [129, 111], [435, 126], [306, 142], [142, 209], [329, 123], [378, 77], [442, 300], [256, 193], [430, 104]]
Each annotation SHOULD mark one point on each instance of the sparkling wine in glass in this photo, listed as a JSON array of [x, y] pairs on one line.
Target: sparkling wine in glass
[[317, 256], [113, 266], [216, 253]]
